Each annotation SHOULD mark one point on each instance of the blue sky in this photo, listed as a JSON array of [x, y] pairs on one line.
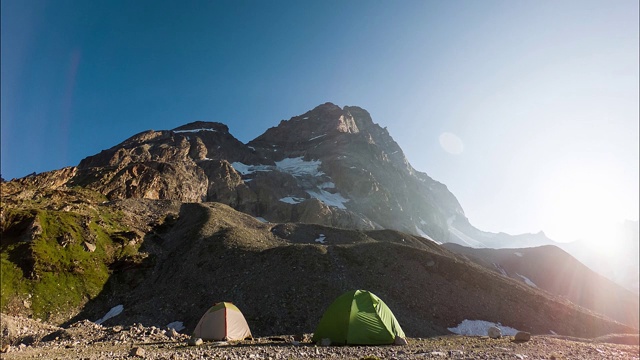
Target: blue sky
[[541, 96]]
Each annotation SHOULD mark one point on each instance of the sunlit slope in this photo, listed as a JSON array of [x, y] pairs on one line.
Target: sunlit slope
[[552, 269]]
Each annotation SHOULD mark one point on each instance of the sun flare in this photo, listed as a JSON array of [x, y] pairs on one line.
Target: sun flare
[[584, 205]]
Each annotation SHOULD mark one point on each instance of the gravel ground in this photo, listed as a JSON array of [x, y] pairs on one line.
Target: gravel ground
[[28, 339], [447, 347]]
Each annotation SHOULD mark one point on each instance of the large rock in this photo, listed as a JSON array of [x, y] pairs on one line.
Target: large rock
[[522, 336], [137, 352], [494, 332]]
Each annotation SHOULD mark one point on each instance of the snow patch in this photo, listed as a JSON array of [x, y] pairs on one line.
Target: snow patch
[[317, 137], [518, 254], [527, 281], [553, 332], [193, 130], [252, 148], [327, 185], [321, 239], [328, 198], [480, 328], [176, 325], [115, 311], [249, 169], [261, 219], [292, 200], [299, 167], [305, 118]]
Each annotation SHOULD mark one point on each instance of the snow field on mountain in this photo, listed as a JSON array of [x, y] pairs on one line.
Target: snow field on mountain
[[193, 130], [298, 167], [328, 198], [292, 200], [250, 169]]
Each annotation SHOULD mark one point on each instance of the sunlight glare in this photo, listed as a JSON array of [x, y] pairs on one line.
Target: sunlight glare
[[581, 204]]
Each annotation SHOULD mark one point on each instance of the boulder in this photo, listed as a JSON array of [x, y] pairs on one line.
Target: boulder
[[494, 332], [522, 336], [172, 333], [194, 341], [137, 351]]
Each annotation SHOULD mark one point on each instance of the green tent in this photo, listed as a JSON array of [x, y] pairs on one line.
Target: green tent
[[358, 317]]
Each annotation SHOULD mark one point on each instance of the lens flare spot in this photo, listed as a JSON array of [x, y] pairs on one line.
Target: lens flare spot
[[451, 143]]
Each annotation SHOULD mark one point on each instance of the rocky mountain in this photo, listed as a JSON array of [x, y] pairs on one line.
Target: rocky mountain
[[165, 223], [329, 166]]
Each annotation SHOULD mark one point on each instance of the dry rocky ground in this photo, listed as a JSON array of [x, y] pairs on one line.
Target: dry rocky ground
[[29, 339]]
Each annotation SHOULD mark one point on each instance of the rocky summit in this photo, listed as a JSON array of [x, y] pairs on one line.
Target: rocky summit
[[329, 166], [168, 222]]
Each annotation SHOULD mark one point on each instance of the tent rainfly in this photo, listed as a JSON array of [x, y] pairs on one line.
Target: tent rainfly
[[223, 321], [359, 317]]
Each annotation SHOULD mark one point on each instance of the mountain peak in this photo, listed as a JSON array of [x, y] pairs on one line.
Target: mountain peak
[[323, 120], [327, 106]]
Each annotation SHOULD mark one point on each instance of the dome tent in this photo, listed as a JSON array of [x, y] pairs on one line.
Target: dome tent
[[223, 321], [358, 317]]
